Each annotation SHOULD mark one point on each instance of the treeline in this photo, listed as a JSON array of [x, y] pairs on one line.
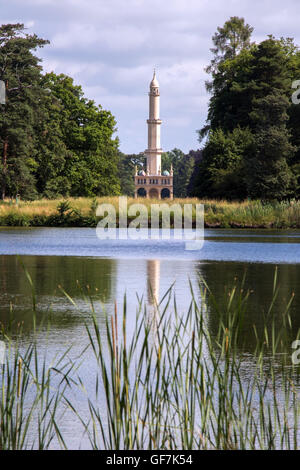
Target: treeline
[[53, 141], [185, 167], [252, 134]]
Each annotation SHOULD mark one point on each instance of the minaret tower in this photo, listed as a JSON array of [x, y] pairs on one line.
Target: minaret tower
[[154, 184], [154, 151]]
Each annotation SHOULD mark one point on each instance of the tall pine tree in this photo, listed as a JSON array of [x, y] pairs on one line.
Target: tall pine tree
[[268, 172], [21, 73]]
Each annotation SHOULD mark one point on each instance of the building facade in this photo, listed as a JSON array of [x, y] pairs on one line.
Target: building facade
[[152, 182]]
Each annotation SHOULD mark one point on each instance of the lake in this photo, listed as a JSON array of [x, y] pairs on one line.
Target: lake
[[74, 260]]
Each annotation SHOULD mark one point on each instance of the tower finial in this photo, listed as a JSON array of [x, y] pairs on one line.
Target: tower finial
[[154, 82]]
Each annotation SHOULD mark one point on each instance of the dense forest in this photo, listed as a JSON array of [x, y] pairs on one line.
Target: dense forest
[[55, 142]]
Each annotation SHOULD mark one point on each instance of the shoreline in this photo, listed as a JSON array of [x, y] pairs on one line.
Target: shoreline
[[81, 212], [93, 224]]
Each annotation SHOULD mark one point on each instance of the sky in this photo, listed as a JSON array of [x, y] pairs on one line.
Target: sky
[[110, 48]]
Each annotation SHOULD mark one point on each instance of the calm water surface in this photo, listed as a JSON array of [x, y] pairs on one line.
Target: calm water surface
[[74, 257]]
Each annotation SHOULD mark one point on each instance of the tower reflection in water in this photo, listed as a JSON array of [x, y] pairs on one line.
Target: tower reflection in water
[[153, 278]]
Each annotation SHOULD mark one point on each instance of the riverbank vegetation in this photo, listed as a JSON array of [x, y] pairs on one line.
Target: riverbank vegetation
[[81, 212], [171, 383]]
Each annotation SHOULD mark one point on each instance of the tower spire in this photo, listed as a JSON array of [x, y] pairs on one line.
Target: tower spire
[[155, 183]]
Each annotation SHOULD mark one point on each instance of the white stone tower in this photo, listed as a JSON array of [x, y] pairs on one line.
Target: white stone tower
[[154, 151], [154, 184]]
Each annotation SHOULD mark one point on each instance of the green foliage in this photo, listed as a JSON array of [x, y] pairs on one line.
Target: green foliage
[[53, 141], [251, 98], [21, 73], [90, 166], [229, 41], [94, 205], [247, 214], [127, 166], [221, 172], [183, 166], [267, 170], [15, 220], [63, 208]]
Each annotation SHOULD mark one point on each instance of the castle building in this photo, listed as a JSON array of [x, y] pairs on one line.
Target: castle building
[[152, 182]]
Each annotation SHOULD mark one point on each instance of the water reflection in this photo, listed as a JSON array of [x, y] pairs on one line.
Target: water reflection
[[106, 281], [50, 276], [258, 279], [153, 278], [153, 299]]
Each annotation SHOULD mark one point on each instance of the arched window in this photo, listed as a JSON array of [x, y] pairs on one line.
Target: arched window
[[141, 192], [165, 193], [153, 193]]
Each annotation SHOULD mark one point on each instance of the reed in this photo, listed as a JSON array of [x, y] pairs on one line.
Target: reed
[[172, 383], [175, 385], [32, 389], [31, 399]]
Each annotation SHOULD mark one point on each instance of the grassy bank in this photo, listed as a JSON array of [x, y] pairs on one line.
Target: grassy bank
[[169, 384], [81, 212]]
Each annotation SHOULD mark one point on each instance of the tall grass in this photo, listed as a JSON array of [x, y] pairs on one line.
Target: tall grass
[[246, 214], [32, 389], [31, 399], [171, 383]]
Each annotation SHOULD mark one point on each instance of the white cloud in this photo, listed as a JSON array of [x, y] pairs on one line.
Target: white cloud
[[29, 24], [111, 46]]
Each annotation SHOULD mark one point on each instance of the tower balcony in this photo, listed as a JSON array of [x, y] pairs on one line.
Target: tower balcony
[[154, 150], [154, 121], [153, 180]]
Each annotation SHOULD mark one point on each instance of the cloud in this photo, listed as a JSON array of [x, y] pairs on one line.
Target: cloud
[[110, 48]]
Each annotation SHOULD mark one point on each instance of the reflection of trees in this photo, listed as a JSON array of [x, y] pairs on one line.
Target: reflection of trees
[[221, 277], [75, 275]]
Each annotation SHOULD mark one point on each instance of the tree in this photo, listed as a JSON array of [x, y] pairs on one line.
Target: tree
[[251, 94], [51, 150], [197, 156], [89, 166], [269, 175], [127, 166], [183, 166], [229, 69], [232, 95], [228, 41], [53, 141], [221, 171], [21, 73], [267, 170]]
